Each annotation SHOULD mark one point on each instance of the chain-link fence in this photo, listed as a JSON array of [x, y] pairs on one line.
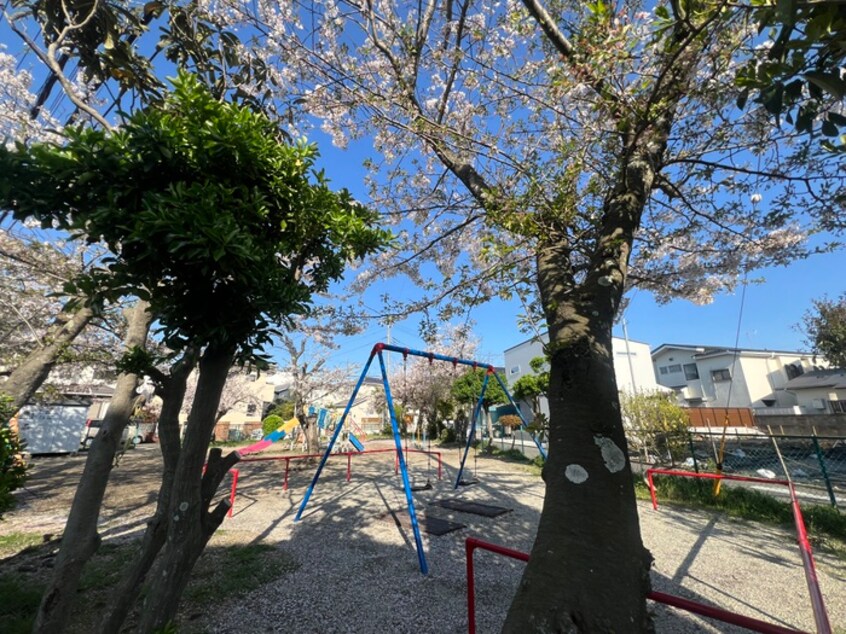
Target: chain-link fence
[[816, 464]]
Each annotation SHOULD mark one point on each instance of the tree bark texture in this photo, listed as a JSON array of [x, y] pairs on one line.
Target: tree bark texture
[[172, 393], [31, 374], [190, 523], [589, 570], [80, 539]]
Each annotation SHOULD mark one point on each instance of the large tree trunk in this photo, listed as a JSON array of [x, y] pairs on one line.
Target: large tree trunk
[[589, 570], [29, 375], [80, 539], [172, 392], [190, 523]]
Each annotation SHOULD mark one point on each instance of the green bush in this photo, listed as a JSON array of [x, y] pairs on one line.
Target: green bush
[[271, 424], [448, 435], [12, 465]]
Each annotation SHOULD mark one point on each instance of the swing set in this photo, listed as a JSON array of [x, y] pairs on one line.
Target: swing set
[[378, 352]]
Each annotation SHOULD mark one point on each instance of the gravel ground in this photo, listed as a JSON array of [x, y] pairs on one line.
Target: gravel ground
[[359, 573]]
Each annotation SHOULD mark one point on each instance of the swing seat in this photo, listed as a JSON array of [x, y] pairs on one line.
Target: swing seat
[[467, 483], [423, 487]]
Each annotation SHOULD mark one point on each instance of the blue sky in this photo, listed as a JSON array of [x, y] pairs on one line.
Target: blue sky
[[771, 309]]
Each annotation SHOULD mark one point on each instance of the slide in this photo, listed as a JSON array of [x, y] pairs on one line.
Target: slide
[[281, 432], [355, 442]]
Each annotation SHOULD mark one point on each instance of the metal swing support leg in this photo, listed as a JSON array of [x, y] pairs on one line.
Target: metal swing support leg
[[525, 425], [335, 436], [421, 556], [471, 436]]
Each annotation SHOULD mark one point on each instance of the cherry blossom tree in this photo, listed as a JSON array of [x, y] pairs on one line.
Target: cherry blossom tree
[[566, 153], [423, 385], [239, 389], [308, 347]]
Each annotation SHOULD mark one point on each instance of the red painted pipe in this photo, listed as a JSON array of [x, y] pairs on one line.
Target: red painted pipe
[[719, 614], [234, 473], [471, 544], [287, 468], [817, 603], [805, 552]]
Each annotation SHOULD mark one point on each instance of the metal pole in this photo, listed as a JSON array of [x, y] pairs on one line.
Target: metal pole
[[337, 433], [817, 603], [470, 437], [692, 451], [519, 414], [421, 556], [824, 471]]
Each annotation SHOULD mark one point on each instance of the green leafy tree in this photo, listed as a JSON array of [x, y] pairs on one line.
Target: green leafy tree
[[799, 78], [12, 465], [270, 424], [825, 328], [531, 388], [226, 231], [284, 410], [466, 390], [657, 424]]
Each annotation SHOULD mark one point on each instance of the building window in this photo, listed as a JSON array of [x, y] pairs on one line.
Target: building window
[[691, 373], [663, 369], [837, 407], [676, 367], [514, 370], [793, 370], [721, 375], [251, 408]]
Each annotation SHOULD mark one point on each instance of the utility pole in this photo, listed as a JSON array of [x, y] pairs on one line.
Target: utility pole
[[629, 355]]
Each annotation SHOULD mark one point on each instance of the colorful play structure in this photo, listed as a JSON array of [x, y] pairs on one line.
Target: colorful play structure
[[285, 429], [378, 352]]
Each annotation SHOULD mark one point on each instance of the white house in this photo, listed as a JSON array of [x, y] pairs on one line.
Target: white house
[[707, 376], [632, 364], [819, 391]]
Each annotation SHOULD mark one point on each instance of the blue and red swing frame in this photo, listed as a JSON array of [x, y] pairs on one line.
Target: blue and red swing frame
[[377, 352]]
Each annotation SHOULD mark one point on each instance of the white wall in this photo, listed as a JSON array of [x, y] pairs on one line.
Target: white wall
[[517, 364]]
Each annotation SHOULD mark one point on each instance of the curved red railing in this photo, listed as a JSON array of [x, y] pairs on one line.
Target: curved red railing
[[805, 552], [756, 625]]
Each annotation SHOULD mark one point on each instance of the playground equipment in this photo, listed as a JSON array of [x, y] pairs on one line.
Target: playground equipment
[[817, 603], [378, 351], [756, 625], [281, 432]]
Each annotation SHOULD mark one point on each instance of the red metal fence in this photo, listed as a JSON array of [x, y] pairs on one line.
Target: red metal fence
[[471, 544], [817, 603]]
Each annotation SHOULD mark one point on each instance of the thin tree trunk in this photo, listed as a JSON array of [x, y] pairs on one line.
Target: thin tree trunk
[[124, 596], [31, 374], [191, 524], [80, 539], [489, 428]]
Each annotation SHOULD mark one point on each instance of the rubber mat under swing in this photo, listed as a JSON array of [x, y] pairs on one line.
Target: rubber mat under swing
[[485, 510], [432, 525]]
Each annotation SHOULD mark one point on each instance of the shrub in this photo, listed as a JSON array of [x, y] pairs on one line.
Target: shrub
[[448, 435], [12, 465], [271, 424]]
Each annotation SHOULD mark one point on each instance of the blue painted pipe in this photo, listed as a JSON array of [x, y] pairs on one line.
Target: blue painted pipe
[[520, 414], [472, 434], [421, 556]]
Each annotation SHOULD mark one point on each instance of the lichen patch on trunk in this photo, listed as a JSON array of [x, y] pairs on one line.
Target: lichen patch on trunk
[[615, 459], [576, 473]]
